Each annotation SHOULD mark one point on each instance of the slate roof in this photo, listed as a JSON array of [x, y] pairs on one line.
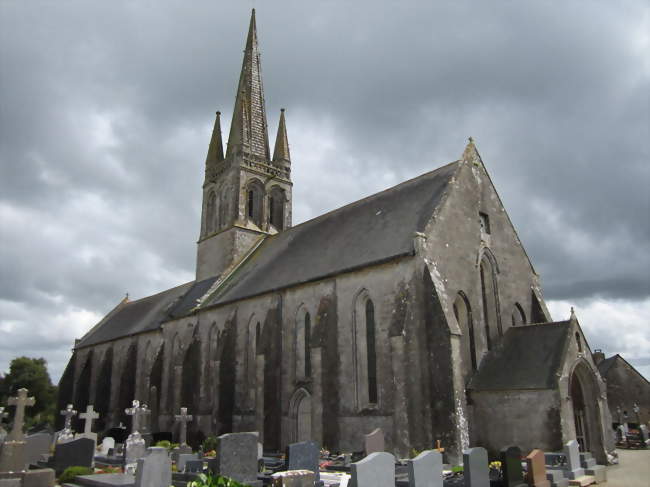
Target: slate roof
[[372, 230], [528, 357], [133, 317], [605, 365]]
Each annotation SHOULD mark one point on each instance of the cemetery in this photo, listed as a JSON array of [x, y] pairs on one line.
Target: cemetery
[[140, 458]]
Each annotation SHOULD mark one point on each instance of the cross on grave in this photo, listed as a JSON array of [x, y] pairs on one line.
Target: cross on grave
[[3, 415], [144, 424], [20, 401], [89, 416], [137, 412], [183, 419], [68, 412]]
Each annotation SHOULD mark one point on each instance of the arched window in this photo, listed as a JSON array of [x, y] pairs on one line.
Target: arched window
[[252, 338], [210, 213], [254, 200], [365, 352], [578, 341], [276, 208], [371, 352], [303, 332], [214, 342], [490, 301], [463, 314], [223, 209], [518, 315]]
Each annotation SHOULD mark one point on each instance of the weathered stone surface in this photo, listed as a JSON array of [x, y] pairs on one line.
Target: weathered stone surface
[[304, 455], [237, 456], [183, 458], [74, 453], [107, 480], [425, 470], [537, 469], [376, 470], [38, 444], [108, 443], [294, 478], [155, 469], [572, 453], [374, 442], [13, 456]]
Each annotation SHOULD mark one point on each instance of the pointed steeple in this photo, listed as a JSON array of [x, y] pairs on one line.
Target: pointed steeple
[[215, 149], [248, 131], [281, 151]]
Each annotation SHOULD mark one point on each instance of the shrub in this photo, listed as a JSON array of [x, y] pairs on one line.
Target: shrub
[[164, 443], [210, 444], [70, 473]]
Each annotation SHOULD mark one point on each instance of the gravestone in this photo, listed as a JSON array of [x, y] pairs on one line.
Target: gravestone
[[572, 452], [376, 470], [155, 469], [237, 457], [537, 469], [513, 475], [183, 419], [425, 470], [89, 416], [135, 447], [107, 444], [194, 466], [66, 433], [13, 454], [476, 468], [293, 478], [645, 436], [78, 452], [119, 434], [304, 455], [3, 432], [38, 444], [10, 483], [183, 458], [374, 442]]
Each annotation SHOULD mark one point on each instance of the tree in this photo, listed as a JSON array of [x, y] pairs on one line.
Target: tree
[[32, 374]]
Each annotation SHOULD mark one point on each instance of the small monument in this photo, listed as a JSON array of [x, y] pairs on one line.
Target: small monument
[[66, 434], [183, 419], [135, 447], [89, 416], [13, 455]]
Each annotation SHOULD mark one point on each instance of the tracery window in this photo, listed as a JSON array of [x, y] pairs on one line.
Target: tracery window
[[254, 202], [489, 295], [276, 208], [365, 352], [210, 213], [303, 348], [463, 314]]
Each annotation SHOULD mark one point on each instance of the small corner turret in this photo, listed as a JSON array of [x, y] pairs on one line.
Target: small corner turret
[[246, 193]]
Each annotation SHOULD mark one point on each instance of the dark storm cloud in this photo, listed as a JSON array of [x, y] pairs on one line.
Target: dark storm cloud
[[106, 111]]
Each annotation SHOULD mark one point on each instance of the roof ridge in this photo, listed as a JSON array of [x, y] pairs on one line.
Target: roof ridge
[[159, 293], [365, 198]]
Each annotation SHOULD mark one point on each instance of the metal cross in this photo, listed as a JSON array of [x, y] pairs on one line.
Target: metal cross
[[68, 412], [20, 401], [183, 419], [89, 416]]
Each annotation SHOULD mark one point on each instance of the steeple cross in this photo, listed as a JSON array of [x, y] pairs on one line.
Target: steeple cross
[[20, 401], [183, 419], [89, 416]]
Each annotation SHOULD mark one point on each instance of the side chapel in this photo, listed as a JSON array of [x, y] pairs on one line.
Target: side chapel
[[416, 310]]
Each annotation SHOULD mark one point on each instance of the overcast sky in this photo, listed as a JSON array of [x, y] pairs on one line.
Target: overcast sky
[[106, 110]]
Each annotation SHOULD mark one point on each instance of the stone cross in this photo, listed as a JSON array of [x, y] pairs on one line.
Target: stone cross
[[183, 419], [68, 412], [144, 413], [89, 416], [137, 412], [20, 401]]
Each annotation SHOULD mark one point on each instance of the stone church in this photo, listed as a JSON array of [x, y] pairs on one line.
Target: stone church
[[415, 310]]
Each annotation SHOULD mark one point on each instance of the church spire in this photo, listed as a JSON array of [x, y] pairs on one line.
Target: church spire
[[215, 149], [248, 131], [281, 152]]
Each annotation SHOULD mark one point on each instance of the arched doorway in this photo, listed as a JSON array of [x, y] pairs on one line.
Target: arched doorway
[[301, 416], [584, 395]]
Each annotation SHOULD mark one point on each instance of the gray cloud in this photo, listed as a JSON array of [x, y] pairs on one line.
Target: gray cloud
[[106, 111]]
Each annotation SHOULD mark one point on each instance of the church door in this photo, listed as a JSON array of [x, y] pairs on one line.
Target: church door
[[303, 426], [577, 398]]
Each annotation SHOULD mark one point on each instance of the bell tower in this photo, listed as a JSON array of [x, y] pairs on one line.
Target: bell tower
[[246, 192]]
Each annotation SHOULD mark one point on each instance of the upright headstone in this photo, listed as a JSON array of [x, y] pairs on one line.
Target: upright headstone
[[537, 469], [374, 442], [293, 478], [135, 447], [107, 444], [376, 470], [237, 457], [66, 434], [645, 436], [145, 427], [476, 468], [13, 454], [183, 419], [3, 432], [89, 416], [194, 466], [118, 433], [572, 452], [183, 458], [304, 455], [425, 470], [79, 452], [155, 469], [513, 475], [38, 445]]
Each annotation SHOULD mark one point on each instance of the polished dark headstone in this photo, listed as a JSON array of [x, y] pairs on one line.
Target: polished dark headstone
[[513, 475]]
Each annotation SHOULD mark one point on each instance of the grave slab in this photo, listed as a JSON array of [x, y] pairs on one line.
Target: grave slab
[[376, 470], [425, 470], [154, 470], [106, 480], [237, 457], [304, 455], [294, 478]]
